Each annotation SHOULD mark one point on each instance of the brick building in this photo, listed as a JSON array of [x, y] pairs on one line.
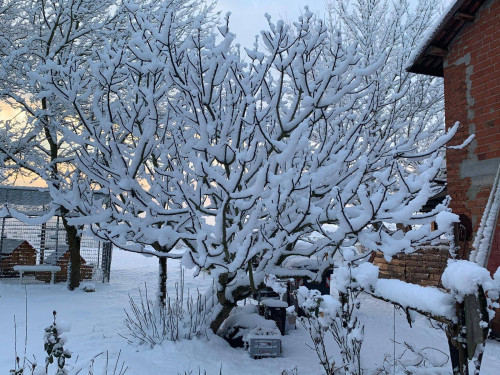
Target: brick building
[[464, 49], [61, 258], [13, 253]]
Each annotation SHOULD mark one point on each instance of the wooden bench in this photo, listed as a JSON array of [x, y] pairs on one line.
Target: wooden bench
[[38, 268]]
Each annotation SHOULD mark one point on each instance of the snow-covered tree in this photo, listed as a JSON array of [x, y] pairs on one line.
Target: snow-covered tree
[[36, 36], [33, 34], [248, 158]]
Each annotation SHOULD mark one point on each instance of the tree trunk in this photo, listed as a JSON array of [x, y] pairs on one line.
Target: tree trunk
[[238, 294], [74, 242], [222, 315], [162, 280]]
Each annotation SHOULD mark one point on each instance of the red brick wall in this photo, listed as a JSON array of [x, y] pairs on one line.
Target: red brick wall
[[472, 97], [63, 262], [24, 255], [424, 267]]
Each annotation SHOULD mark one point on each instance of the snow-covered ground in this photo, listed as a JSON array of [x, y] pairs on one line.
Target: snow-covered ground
[[96, 321]]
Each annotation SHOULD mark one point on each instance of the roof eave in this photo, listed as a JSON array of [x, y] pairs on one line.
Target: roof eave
[[418, 69], [460, 14]]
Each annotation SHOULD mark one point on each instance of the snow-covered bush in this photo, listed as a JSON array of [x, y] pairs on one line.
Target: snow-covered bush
[[53, 344], [24, 368], [325, 314], [471, 290], [183, 316], [119, 368]]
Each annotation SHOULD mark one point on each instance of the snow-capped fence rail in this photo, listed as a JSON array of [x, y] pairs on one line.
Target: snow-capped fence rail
[[465, 306]]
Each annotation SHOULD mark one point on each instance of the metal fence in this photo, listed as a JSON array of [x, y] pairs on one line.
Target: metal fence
[[47, 242]]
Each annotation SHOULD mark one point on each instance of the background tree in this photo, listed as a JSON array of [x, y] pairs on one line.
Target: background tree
[[391, 31], [33, 33], [36, 36], [128, 67]]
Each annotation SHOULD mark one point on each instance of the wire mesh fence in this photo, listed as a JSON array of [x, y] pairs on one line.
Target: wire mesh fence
[[46, 245]]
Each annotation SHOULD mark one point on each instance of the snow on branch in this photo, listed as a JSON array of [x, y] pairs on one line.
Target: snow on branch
[[486, 231]]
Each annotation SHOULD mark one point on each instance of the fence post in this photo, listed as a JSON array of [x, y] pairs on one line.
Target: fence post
[[106, 261], [1, 242], [57, 237], [43, 233]]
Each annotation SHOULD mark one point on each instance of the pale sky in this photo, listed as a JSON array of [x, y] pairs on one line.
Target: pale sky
[[247, 16]]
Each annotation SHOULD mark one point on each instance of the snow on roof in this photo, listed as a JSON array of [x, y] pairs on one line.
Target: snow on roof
[[271, 302], [37, 268], [8, 245], [432, 32], [428, 57], [54, 257], [24, 199], [297, 262], [30, 201]]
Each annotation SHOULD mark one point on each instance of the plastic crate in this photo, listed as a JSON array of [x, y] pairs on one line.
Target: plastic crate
[[264, 347]]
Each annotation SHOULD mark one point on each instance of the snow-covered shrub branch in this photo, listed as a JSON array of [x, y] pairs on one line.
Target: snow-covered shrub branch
[[338, 316], [181, 317], [417, 361], [54, 340]]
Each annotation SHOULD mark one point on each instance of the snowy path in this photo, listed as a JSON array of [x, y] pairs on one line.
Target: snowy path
[[96, 320]]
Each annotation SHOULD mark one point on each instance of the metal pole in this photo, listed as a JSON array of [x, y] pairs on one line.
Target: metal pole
[[1, 242], [43, 234], [99, 248], [2, 235], [57, 237]]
